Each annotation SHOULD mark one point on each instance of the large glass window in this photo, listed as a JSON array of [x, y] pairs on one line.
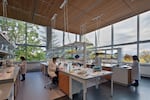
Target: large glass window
[[20, 51], [127, 51], [69, 38], [89, 37], [78, 38], [125, 31], [1, 19], [104, 36], [31, 53], [36, 35], [145, 26], [16, 31], [105, 52], [42, 35], [0, 28], [36, 53], [19, 31], [144, 53], [3, 23], [57, 38]]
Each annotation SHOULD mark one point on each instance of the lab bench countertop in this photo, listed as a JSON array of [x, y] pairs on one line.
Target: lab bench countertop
[[108, 65], [90, 74], [9, 74], [44, 63]]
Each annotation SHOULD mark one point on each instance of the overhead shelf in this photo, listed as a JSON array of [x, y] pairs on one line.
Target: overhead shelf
[[4, 52], [79, 44], [71, 48], [6, 47]]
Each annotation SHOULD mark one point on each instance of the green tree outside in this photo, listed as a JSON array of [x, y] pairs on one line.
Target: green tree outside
[[27, 47]]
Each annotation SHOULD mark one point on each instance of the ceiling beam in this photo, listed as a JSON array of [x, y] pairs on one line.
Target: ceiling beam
[[34, 10], [19, 9], [39, 15]]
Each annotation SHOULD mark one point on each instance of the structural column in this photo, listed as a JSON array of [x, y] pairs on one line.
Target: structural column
[[112, 39], [138, 34], [49, 38]]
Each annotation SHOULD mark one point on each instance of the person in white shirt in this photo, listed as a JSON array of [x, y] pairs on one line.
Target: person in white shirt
[[23, 67], [52, 71], [135, 73]]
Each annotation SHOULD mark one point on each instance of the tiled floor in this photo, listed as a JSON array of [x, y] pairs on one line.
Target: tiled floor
[[33, 89]]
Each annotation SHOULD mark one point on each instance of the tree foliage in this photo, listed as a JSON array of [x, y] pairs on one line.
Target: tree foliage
[[17, 32], [145, 56], [127, 58]]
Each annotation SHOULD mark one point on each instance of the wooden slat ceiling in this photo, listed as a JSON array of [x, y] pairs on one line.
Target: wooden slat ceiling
[[79, 12]]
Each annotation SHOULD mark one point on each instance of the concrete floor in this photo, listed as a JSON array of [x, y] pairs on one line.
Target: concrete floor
[[33, 89]]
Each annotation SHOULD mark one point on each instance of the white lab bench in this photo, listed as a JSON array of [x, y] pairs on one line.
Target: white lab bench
[[9, 83], [82, 81], [122, 75]]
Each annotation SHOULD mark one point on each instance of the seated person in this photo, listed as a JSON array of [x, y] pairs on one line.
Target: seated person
[[52, 71]]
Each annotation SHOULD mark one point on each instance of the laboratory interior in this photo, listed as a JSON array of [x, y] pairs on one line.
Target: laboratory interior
[[74, 49]]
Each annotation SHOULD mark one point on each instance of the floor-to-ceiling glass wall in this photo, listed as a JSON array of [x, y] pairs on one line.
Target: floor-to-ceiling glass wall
[[104, 36], [144, 49], [89, 38], [125, 37], [69, 38], [57, 38], [30, 39]]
